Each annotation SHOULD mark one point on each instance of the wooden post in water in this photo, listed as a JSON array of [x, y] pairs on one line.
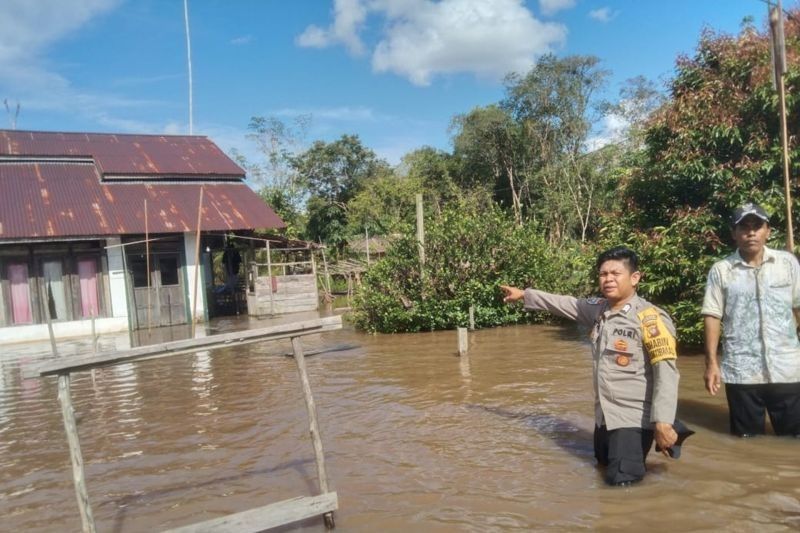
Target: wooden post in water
[[327, 275], [78, 476], [316, 439], [269, 275], [472, 318], [49, 321], [463, 343]]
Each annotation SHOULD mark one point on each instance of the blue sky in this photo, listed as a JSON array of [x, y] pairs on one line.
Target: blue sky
[[394, 72]]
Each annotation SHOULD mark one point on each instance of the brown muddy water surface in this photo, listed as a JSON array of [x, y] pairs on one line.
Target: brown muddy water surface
[[415, 439]]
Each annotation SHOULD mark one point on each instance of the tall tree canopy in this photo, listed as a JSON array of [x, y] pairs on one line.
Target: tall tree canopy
[[333, 174]]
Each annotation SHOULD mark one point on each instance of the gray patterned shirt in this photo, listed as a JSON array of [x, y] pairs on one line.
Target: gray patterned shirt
[[759, 333]]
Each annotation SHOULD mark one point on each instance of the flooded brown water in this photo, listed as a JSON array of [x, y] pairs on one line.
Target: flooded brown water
[[415, 438]]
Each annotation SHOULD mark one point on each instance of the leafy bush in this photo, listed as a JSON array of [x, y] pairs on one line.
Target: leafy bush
[[470, 250]]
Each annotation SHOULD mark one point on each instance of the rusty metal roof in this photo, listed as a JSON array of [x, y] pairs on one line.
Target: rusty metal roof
[[60, 199], [157, 156]]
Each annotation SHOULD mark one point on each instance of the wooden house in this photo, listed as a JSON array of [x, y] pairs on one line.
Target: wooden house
[[106, 225]]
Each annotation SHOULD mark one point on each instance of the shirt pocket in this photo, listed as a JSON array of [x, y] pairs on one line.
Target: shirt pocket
[[780, 277], [622, 361]]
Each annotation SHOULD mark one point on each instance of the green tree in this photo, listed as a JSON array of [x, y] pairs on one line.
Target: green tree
[[489, 145], [556, 106], [334, 173], [435, 171]]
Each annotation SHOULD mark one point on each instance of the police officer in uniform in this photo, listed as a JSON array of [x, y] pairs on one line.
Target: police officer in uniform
[[634, 354]]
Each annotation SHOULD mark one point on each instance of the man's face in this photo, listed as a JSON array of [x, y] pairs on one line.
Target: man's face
[[751, 234], [617, 282]]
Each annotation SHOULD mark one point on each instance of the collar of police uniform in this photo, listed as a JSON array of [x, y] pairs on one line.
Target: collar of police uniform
[[625, 308], [769, 255]]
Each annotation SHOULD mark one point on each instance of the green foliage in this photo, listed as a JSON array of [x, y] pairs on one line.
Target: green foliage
[[280, 201], [384, 206], [674, 261], [714, 145], [465, 264], [327, 222], [337, 170]]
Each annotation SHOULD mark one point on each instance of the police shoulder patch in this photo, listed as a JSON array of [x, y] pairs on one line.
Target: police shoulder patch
[[657, 339], [594, 300]]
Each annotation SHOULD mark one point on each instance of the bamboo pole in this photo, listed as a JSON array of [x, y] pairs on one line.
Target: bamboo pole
[[130, 298], [316, 439], [779, 65], [197, 259], [420, 233], [327, 275], [269, 274], [147, 253], [786, 179], [366, 242], [71, 427], [472, 317]]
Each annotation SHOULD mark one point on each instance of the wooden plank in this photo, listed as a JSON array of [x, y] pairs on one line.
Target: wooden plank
[[78, 476], [268, 516], [234, 338], [313, 426]]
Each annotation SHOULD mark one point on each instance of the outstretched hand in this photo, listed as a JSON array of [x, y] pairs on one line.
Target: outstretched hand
[[511, 294]]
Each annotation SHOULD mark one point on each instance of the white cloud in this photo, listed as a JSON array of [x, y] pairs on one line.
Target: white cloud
[[27, 29], [612, 130], [348, 18], [604, 14], [550, 7], [26, 26], [144, 80], [422, 38], [346, 113], [243, 39]]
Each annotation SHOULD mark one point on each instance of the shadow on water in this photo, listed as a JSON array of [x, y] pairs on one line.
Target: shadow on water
[[141, 499], [563, 433], [713, 417]]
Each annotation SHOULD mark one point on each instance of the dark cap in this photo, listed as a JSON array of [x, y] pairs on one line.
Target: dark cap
[[749, 209]]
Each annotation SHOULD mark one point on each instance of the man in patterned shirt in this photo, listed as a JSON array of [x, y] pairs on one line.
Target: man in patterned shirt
[[753, 297]]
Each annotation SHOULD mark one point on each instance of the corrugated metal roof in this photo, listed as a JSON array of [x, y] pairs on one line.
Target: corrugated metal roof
[[68, 199], [127, 155]]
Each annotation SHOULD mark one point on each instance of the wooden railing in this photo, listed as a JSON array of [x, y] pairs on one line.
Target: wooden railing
[[257, 519]]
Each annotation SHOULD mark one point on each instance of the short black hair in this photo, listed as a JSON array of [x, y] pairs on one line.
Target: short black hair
[[619, 253]]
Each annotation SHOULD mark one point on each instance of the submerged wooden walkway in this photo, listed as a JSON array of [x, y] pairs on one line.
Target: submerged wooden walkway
[[258, 519]]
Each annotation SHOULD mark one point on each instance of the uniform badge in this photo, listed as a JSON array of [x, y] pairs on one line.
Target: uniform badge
[[594, 300], [656, 337], [620, 345], [626, 308], [650, 322], [623, 360]]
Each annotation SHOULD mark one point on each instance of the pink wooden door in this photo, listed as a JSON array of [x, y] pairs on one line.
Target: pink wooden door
[[20, 293], [87, 273]]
